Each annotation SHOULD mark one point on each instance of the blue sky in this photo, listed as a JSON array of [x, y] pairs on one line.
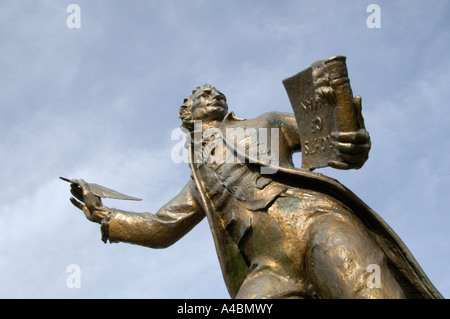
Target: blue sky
[[100, 103]]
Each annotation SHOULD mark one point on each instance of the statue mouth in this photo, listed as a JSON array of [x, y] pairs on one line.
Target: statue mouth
[[216, 104], [216, 107]]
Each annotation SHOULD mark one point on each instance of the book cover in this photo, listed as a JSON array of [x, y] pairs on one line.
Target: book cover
[[323, 102]]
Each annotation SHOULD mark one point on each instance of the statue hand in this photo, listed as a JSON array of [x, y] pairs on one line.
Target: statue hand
[[93, 208], [353, 149]]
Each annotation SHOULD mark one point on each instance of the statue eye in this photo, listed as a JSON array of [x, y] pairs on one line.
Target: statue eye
[[205, 94]]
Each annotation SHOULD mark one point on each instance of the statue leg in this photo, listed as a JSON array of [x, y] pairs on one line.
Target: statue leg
[[343, 261], [268, 284]]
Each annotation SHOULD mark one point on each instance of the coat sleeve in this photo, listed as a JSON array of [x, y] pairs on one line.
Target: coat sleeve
[[160, 230], [289, 129], [287, 124]]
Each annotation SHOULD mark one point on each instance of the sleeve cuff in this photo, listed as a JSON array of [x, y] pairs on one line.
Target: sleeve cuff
[[105, 225]]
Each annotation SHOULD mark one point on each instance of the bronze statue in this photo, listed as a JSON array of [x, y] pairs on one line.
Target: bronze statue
[[279, 231]]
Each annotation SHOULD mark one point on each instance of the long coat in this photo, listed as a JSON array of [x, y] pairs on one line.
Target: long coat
[[229, 216]]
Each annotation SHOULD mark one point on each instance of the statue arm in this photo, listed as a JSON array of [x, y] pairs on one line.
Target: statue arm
[[290, 132], [287, 124], [159, 230]]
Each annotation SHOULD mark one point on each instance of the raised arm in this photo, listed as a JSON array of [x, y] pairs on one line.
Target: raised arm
[[159, 230], [289, 129]]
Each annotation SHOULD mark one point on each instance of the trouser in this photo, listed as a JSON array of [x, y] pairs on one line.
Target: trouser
[[309, 245]]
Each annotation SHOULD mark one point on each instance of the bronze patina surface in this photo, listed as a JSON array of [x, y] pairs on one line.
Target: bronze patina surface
[[279, 231]]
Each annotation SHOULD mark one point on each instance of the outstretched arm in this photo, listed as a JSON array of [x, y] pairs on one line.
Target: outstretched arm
[[159, 230]]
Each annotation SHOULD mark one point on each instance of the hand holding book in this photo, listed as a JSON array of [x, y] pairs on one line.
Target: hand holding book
[[352, 147], [330, 121]]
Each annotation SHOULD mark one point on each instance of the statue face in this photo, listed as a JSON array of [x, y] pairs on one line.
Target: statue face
[[209, 105]]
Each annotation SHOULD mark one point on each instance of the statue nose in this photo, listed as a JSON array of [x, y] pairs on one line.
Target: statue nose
[[217, 96]]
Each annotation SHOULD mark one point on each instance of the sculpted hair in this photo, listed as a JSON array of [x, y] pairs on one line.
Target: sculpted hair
[[185, 111], [185, 114]]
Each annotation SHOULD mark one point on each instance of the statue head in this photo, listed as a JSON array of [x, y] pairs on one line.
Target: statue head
[[206, 103]]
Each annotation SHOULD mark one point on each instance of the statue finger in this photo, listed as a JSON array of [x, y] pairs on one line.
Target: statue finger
[[84, 187], [358, 102], [76, 192], [345, 165], [77, 204], [76, 188], [82, 207], [361, 136], [358, 106], [353, 159], [339, 165], [350, 148]]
